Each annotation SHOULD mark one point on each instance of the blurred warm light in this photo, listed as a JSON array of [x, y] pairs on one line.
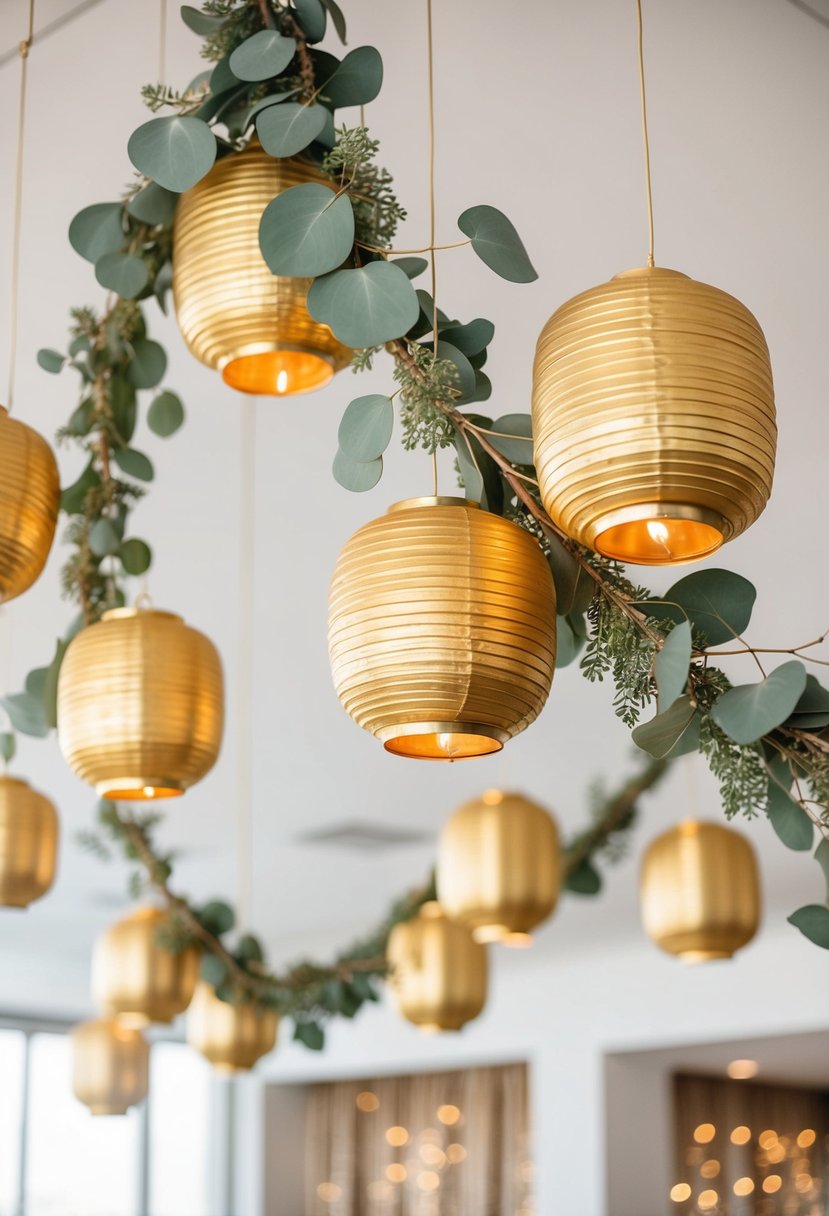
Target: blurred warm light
[[707, 1200], [772, 1183], [710, 1168], [743, 1070], [381, 1191], [767, 1139], [803, 1183], [743, 1186], [776, 1153], [428, 1180], [432, 1135], [397, 1136], [367, 1101], [448, 1115], [741, 1134], [430, 1154], [329, 1192], [806, 1138], [680, 1192], [455, 1154], [396, 1172], [492, 797], [705, 1133]]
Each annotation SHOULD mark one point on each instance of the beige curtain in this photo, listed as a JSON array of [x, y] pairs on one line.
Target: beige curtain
[[460, 1145]]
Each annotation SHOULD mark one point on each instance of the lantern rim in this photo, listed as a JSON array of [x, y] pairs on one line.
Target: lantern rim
[[421, 740], [433, 500], [138, 610], [256, 369], [139, 789], [630, 534]]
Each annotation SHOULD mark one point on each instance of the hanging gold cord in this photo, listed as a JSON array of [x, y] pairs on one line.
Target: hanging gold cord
[[18, 204], [432, 206], [648, 186]]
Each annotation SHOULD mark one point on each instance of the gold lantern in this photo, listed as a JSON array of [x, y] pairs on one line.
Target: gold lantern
[[29, 500], [231, 1036], [653, 417], [110, 1066], [234, 314], [700, 891], [442, 629], [135, 978], [499, 867], [438, 971], [28, 843], [140, 705]]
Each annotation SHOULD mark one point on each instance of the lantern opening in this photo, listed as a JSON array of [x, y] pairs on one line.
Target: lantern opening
[[659, 535], [461, 741], [278, 373], [704, 956], [133, 789]]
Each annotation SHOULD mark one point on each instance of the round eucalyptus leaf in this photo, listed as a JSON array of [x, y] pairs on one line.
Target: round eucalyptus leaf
[[749, 711], [671, 664], [153, 205], [519, 446], [585, 879], [165, 415], [124, 273], [471, 338], [97, 230], [148, 364], [337, 18], [411, 267], [307, 231], [287, 129], [356, 81], [103, 538], [312, 17], [201, 23], [497, 244], [136, 556], [355, 474], [813, 922], [718, 603], [264, 54], [134, 464], [273, 99], [674, 732], [366, 426], [568, 642], [175, 151], [221, 78], [466, 373], [789, 820], [365, 307], [473, 482], [50, 360]]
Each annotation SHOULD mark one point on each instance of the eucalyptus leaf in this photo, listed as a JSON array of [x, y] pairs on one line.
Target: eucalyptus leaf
[[213, 970], [133, 463], [222, 78], [674, 732], [473, 482], [153, 205], [97, 230], [217, 916], [51, 361], [73, 498], [813, 922], [310, 1034], [26, 713], [482, 390], [124, 273], [569, 643], [356, 81], [123, 406], [287, 129], [365, 307], [311, 15], [337, 18], [519, 447], [748, 712], [249, 949], [165, 415], [789, 820], [366, 427], [307, 231], [585, 879], [8, 746], [148, 364], [264, 54], [176, 151], [357, 475], [671, 664], [822, 858], [497, 244], [201, 23], [411, 267], [136, 556], [717, 602], [471, 338], [465, 381], [812, 710], [50, 684], [103, 538], [574, 586], [273, 99]]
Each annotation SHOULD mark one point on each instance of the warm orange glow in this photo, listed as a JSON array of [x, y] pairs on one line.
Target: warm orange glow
[[367, 1101], [278, 373], [455, 1154], [518, 941], [329, 1192], [380, 1190], [803, 1183], [776, 1153], [743, 1186], [397, 1136], [710, 1168], [742, 1070], [442, 746], [772, 1184], [428, 1180], [707, 1200], [767, 1139], [680, 1192], [659, 542], [705, 1133], [430, 1154], [741, 1134], [449, 1115], [140, 793], [806, 1138], [396, 1172], [491, 797]]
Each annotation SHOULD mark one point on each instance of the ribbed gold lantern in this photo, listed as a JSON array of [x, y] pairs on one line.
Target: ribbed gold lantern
[[234, 314], [110, 1066], [28, 843], [700, 891], [231, 1036], [140, 705], [653, 418], [135, 978], [499, 867], [29, 500], [442, 629], [438, 971]]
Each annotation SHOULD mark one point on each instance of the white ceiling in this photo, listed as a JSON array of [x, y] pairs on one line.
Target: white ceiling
[[537, 114]]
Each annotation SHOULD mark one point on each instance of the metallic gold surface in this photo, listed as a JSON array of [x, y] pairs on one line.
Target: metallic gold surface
[[140, 705], [135, 978], [499, 867], [442, 629], [110, 1066], [28, 843], [29, 498], [700, 891], [653, 417], [233, 313], [231, 1037], [438, 971]]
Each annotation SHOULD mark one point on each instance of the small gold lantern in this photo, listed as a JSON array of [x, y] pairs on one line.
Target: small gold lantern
[[28, 843], [438, 971], [653, 418], [140, 705], [110, 1066], [234, 314], [700, 891], [499, 867], [135, 978], [442, 629], [29, 500], [231, 1036]]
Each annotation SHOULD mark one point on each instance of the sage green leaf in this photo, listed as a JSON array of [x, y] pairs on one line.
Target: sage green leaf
[[465, 382], [222, 78], [136, 556], [50, 684], [50, 360], [310, 1034], [356, 475], [812, 710], [148, 363], [337, 18], [103, 538], [249, 949], [482, 390], [134, 464], [674, 732], [311, 15], [473, 482], [264, 54], [26, 713], [175, 151], [822, 858], [123, 406], [585, 879], [307, 231], [671, 664], [427, 308], [273, 99], [519, 447], [97, 230], [497, 244], [213, 970], [789, 820], [287, 129], [574, 586], [364, 307], [153, 205], [718, 603], [8, 746], [569, 643], [73, 498], [356, 81], [748, 712], [366, 426], [201, 23], [124, 273], [165, 415], [79, 346], [813, 922], [411, 267], [217, 916], [471, 338]]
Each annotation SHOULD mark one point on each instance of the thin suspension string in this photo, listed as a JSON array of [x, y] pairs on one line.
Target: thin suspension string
[[18, 204], [162, 42], [244, 682], [646, 142], [432, 205]]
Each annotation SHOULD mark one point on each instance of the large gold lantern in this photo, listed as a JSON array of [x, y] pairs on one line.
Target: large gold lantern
[[442, 629], [110, 1066], [234, 314], [438, 971], [28, 843], [29, 500], [700, 891], [499, 867], [135, 978], [140, 705], [653, 418], [231, 1036]]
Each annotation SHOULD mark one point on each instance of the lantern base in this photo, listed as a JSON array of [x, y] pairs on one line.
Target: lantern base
[[442, 740], [692, 957], [502, 935], [138, 789], [108, 1110], [278, 372], [659, 534]]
